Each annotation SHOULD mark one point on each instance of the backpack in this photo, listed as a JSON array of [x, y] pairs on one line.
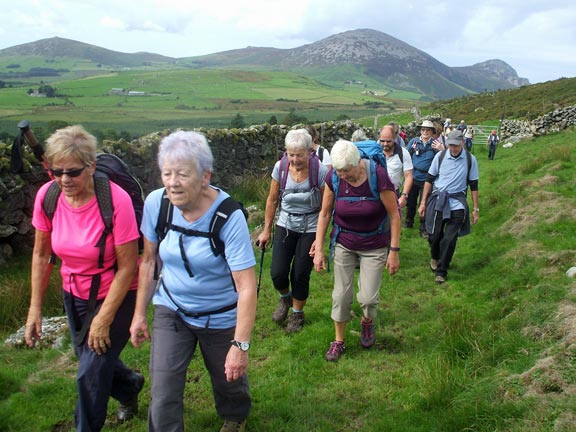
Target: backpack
[[313, 170], [108, 168], [371, 167], [372, 150], [220, 217]]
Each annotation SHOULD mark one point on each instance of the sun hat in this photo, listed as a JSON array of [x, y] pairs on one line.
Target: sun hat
[[427, 124], [454, 138]]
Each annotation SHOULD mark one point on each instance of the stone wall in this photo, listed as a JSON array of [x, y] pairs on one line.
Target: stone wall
[[237, 153]]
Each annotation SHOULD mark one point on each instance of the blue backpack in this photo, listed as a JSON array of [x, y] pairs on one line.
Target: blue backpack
[[372, 152]]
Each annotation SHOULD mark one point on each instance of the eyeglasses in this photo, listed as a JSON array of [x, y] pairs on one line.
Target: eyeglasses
[[426, 129], [386, 141], [71, 173]]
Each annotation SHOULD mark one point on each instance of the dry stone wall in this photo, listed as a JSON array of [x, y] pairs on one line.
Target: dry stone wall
[[237, 153]]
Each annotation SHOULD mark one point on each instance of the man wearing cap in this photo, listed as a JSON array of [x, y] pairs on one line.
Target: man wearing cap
[[422, 149], [444, 203]]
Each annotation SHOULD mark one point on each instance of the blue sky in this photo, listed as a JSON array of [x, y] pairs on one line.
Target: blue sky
[[537, 38]]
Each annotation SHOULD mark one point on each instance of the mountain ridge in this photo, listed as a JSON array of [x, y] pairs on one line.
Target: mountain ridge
[[375, 54]]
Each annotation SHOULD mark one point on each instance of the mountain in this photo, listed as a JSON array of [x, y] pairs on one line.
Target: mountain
[[377, 55], [358, 55], [58, 47]]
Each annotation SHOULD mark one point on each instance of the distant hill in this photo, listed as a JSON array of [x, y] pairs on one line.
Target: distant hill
[[378, 56], [358, 55], [60, 47]]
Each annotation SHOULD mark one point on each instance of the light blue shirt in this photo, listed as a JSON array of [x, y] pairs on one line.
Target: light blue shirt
[[211, 287], [453, 175], [297, 206]]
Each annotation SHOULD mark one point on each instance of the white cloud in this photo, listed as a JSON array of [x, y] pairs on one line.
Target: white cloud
[[534, 37]]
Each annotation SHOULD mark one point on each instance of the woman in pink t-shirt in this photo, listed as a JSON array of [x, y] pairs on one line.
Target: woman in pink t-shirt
[[99, 324]]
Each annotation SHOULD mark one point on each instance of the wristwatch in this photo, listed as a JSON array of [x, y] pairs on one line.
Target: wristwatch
[[404, 194], [244, 346]]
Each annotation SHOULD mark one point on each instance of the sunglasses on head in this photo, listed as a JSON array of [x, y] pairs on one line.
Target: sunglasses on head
[[71, 173]]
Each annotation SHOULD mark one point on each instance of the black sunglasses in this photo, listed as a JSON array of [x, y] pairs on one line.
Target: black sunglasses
[[386, 141], [72, 173]]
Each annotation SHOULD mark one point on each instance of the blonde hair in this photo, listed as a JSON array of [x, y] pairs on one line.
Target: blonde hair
[[71, 142]]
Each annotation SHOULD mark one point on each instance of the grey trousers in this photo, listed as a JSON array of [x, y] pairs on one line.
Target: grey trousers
[[173, 345]]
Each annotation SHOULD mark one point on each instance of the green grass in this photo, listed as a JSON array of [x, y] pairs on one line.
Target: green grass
[[463, 356]]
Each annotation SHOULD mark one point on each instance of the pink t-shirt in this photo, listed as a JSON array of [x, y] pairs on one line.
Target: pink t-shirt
[[75, 232]]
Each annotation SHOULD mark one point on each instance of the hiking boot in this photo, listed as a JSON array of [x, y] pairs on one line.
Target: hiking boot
[[440, 279], [128, 409], [424, 235], [335, 351], [232, 426], [282, 309], [434, 264], [295, 322], [368, 335]]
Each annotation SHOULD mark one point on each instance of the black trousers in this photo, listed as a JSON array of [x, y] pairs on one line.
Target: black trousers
[[414, 198], [443, 239], [292, 263]]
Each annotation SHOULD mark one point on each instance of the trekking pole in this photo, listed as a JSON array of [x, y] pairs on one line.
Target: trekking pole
[[34, 144], [261, 266]]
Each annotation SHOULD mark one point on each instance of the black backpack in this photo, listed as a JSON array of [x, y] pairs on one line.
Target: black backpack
[[220, 217], [108, 168]]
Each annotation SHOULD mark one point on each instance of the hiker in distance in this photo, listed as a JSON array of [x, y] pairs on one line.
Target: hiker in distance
[[422, 150], [399, 168], [444, 204], [203, 299], [492, 143], [322, 152], [99, 299], [296, 190], [366, 228]]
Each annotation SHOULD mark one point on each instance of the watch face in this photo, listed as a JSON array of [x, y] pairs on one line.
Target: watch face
[[244, 346]]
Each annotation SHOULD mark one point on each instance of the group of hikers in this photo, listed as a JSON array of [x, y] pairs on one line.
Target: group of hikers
[[192, 255]]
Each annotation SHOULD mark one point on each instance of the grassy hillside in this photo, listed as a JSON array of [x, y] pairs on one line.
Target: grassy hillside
[[491, 350]]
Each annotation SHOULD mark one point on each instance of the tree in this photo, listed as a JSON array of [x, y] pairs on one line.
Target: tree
[[292, 118], [48, 90], [237, 122]]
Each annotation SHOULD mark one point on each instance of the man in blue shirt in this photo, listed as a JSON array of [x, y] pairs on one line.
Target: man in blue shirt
[[444, 203]]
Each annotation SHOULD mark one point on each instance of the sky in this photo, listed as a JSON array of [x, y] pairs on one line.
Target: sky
[[535, 37]]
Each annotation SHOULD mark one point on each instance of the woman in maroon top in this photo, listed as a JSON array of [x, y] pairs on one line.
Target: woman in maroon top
[[365, 229]]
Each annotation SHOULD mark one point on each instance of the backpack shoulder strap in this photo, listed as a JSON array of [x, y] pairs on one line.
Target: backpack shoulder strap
[[164, 217], [220, 217], [372, 177], [50, 201], [283, 171], [400, 153], [441, 158], [313, 169], [106, 207]]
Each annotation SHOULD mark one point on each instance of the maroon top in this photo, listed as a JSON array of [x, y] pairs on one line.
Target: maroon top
[[361, 216]]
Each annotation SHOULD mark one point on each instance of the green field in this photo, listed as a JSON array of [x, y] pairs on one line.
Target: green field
[[186, 98]]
